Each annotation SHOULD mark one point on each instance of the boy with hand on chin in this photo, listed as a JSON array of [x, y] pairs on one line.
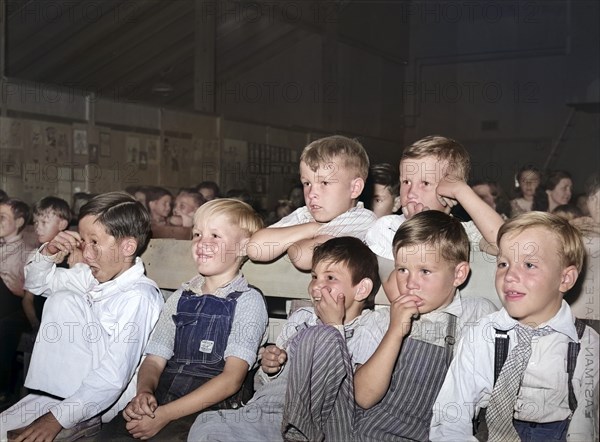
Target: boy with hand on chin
[[333, 171], [545, 387], [343, 287], [390, 396], [208, 334], [99, 314], [433, 176]]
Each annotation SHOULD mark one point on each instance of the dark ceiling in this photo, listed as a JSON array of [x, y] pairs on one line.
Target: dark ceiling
[[143, 50]]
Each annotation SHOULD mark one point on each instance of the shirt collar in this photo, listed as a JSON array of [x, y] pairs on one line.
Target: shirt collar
[[455, 308], [563, 322], [237, 284], [121, 283]]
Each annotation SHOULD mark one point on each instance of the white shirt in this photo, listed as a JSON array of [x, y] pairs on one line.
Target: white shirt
[[355, 222], [119, 314], [543, 396]]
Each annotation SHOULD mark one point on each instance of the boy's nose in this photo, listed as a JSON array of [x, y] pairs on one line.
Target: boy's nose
[[511, 274]]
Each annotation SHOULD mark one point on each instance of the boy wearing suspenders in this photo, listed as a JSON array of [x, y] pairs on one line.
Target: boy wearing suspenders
[[532, 365]]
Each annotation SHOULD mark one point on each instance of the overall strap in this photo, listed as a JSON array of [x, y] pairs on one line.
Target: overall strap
[[500, 351], [572, 354], [450, 339]]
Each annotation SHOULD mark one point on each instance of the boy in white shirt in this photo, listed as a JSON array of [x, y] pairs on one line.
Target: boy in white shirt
[[96, 321], [333, 171], [547, 388]]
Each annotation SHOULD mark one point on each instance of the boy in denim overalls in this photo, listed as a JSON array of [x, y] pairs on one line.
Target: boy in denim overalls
[[208, 334]]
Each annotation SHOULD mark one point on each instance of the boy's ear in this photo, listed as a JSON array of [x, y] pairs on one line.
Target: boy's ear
[[128, 246], [19, 223], [358, 184], [461, 271], [243, 246], [568, 279], [63, 224], [363, 289], [396, 205]]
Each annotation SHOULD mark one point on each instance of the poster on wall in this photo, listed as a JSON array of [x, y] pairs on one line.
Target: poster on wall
[[104, 144], [132, 147], [152, 148], [234, 165], [80, 146]]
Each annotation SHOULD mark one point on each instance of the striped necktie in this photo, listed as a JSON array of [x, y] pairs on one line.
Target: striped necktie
[[500, 412]]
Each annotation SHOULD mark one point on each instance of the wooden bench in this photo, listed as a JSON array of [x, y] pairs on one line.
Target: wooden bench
[[169, 263]]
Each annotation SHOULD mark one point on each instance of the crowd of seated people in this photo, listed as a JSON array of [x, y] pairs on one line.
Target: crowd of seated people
[[435, 364]]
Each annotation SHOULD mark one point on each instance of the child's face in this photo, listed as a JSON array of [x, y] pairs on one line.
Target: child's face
[[184, 205], [561, 194], [207, 193], [9, 226], [383, 200], [161, 207], [422, 271], [530, 277], [217, 245], [419, 179], [330, 190], [484, 192], [102, 252], [528, 182], [47, 225], [333, 277]]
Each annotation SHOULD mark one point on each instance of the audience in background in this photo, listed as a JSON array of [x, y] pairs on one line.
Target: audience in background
[[493, 195], [555, 190], [186, 203], [14, 215], [158, 202], [567, 211], [528, 179], [209, 190], [382, 190]]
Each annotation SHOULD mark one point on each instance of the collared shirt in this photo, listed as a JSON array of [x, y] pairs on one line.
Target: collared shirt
[[248, 329], [432, 327], [13, 255], [96, 367], [543, 396], [355, 222]]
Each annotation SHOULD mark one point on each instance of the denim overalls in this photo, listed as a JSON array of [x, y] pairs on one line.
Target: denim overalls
[[203, 324]]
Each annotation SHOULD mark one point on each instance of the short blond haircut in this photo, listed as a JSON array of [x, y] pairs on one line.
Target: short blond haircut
[[434, 228], [239, 213], [324, 150], [572, 251], [444, 149]]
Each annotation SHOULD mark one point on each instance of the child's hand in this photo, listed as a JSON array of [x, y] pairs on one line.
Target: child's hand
[[448, 189], [175, 220], [330, 308], [411, 209], [273, 359], [187, 219], [64, 243], [147, 426], [143, 404], [402, 311]]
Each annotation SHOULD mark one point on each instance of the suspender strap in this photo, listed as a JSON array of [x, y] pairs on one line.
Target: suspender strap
[[500, 352], [572, 354], [450, 339]]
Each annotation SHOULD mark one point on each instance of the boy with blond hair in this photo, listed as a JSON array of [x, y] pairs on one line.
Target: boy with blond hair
[[333, 171], [343, 287], [537, 374], [395, 388], [208, 334], [433, 176]]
